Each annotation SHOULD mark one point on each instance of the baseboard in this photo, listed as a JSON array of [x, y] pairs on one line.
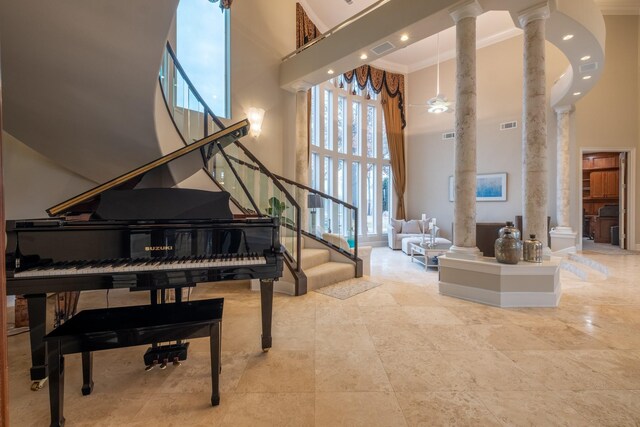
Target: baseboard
[[502, 299]]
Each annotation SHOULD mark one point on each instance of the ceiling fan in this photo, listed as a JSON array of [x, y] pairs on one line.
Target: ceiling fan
[[438, 104]]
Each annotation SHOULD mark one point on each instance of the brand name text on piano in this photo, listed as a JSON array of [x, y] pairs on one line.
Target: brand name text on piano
[[158, 248]]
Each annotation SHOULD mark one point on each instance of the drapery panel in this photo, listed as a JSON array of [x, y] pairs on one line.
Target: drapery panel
[[305, 32], [305, 28], [395, 124]]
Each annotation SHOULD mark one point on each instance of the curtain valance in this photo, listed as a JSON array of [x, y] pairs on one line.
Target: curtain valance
[[367, 76]]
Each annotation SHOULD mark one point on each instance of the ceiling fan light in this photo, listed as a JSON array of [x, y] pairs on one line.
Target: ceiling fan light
[[438, 109]]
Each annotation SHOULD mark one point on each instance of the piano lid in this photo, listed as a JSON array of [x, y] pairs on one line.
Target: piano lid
[[132, 178]]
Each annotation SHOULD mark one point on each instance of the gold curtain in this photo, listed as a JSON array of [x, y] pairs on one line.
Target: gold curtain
[[305, 28], [367, 76], [305, 32], [394, 118], [394, 121]]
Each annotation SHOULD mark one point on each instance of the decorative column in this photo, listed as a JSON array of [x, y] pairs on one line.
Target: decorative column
[[302, 151], [464, 232], [563, 238], [302, 137], [534, 129]]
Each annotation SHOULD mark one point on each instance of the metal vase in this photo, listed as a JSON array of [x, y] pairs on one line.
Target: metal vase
[[532, 249], [508, 249], [509, 227]]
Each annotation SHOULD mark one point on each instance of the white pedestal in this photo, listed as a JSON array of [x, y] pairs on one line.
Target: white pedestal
[[503, 285], [563, 240]]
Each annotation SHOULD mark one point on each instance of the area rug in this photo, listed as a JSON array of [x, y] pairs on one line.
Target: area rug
[[348, 288]]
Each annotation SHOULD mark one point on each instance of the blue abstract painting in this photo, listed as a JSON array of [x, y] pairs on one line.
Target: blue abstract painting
[[489, 187]]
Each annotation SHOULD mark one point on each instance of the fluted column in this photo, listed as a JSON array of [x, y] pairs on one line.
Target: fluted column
[[534, 132], [562, 236], [464, 233]]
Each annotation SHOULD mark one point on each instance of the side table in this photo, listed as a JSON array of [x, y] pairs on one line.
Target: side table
[[425, 255]]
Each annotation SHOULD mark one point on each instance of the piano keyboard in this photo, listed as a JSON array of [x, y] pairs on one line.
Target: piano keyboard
[[74, 268]]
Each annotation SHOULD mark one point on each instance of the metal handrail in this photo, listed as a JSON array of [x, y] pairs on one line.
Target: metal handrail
[[314, 191], [333, 199], [193, 88], [287, 195], [207, 111]]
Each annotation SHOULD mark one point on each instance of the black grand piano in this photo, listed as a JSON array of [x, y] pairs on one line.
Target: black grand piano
[[131, 233]]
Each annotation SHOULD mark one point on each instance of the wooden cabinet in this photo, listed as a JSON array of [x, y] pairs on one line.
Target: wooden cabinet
[[604, 184], [600, 187]]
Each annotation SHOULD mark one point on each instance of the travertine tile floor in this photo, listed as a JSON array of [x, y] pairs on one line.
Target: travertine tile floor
[[399, 354]]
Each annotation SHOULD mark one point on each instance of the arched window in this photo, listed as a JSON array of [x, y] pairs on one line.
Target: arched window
[[350, 155]]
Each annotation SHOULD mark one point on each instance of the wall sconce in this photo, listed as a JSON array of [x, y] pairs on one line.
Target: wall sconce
[[255, 117]]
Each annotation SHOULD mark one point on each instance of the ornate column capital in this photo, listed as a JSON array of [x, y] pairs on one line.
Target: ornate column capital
[[539, 11], [466, 9], [302, 86], [564, 109]]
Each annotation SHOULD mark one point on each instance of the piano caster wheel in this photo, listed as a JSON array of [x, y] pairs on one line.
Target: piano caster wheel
[[265, 350], [150, 367], [164, 364], [176, 362], [37, 385]]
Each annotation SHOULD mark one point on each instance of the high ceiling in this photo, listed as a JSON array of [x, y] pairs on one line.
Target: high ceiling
[[492, 27]]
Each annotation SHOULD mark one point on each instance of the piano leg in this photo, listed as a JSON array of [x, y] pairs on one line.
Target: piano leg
[[266, 302], [87, 373], [215, 349], [56, 385], [37, 307]]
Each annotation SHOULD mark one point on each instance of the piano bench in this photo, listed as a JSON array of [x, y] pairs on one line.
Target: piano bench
[[110, 328]]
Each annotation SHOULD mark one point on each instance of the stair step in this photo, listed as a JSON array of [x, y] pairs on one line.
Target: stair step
[[329, 273], [314, 257]]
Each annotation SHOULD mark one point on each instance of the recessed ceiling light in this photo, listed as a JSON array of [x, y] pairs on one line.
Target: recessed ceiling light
[[567, 37], [586, 77], [404, 37], [585, 58], [363, 56], [577, 93], [330, 71]]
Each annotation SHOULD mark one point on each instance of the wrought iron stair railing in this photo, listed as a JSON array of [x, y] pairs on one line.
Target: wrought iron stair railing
[[253, 195], [253, 188]]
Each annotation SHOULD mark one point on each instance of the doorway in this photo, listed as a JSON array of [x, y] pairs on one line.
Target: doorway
[[605, 199]]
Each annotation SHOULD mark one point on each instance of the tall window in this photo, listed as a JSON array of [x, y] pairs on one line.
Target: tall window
[[202, 33], [348, 145]]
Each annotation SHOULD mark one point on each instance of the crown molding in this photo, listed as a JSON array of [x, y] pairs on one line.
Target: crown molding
[[618, 7]]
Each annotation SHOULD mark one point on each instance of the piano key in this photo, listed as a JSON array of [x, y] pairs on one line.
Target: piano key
[[73, 268]]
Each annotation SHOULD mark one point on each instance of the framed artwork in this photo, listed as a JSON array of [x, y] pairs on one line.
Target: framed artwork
[[490, 187]]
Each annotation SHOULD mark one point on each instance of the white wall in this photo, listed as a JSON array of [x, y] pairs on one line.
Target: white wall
[[262, 33], [33, 183], [608, 116]]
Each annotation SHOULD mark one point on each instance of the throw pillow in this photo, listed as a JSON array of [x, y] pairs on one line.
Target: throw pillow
[[396, 224], [411, 227]]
